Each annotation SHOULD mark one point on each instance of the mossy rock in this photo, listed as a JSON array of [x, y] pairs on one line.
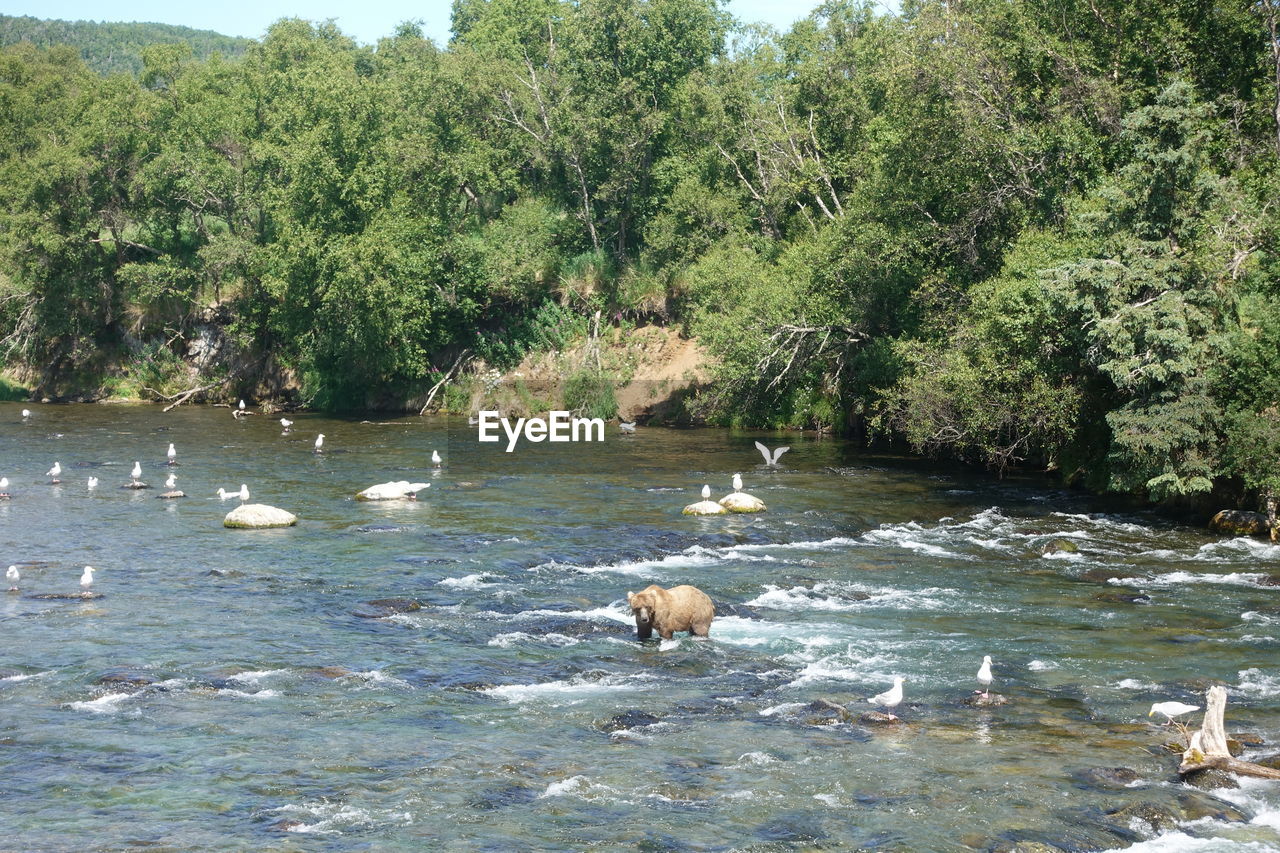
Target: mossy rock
[[258, 517], [704, 508], [1238, 522], [742, 502]]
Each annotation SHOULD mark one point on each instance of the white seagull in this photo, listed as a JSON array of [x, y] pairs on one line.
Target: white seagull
[[285, 423], [737, 482], [320, 443], [891, 697], [172, 454], [171, 482], [12, 577], [771, 457], [435, 459], [26, 413], [1172, 709], [4, 485], [55, 472], [93, 482], [984, 675], [242, 405], [86, 579], [244, 493], [627, 426], [136, 472], [706, 493], [223, 494]]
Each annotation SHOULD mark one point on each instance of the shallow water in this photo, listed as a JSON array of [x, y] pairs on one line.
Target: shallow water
[[515, 710]]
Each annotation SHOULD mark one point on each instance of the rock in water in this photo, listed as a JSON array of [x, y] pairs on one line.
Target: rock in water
[[171, 495], [1240, 523], [742, 502], [255, 516], [704, 508]]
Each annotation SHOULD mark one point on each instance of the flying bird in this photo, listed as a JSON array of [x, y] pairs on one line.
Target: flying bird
[[771, 457], [891, 697], [1171, 710], [12, 577]]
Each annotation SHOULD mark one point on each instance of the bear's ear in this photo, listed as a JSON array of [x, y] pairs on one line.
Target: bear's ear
[[631, 596]]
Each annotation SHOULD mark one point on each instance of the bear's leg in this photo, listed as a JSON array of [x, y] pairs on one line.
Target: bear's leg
[[700, 629]]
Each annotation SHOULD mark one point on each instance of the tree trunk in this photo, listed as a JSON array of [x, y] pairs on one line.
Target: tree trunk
[[1208, 747], [1270, 501]]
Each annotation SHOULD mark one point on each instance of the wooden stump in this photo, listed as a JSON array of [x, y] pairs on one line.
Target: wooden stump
[[1207, 749]]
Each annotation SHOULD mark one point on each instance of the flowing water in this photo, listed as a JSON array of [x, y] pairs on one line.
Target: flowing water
[[233, 689]]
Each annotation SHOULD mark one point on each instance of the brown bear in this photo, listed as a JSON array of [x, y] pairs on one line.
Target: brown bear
[[681, 608]]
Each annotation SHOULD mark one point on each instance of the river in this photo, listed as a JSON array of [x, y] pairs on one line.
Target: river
[[234, 689]]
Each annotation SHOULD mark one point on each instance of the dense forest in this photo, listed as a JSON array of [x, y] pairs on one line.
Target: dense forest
[[109, 47], [1013, 232]]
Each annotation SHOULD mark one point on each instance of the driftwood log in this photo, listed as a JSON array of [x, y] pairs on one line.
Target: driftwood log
[[1207, 749]]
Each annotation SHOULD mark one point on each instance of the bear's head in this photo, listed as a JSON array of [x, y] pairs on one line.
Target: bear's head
[[643, 604]]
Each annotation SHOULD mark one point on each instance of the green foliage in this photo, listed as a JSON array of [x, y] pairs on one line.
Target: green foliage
[[589, 394], [108, 48]]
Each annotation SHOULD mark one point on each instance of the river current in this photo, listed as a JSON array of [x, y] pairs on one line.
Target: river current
[[235, 690]]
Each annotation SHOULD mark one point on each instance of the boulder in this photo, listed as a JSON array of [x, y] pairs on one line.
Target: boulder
[[171, 495], [742, 502], [1105, 778], [1060, 546], [258, 516], [1238, 522], [397, 490], [1155, 816], [704, 508]]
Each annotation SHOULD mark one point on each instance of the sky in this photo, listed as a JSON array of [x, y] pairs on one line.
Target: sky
[[364, 20]]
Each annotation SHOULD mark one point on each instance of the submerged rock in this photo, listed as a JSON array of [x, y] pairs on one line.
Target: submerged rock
[[878, 718], [742, 502], [990, 700], [824, 712], [1272, 761], [382, 607], [1211, 780], [65, 596], [1060, 546], [1237, 522], [628, 720], [138, 485], [1157, 818], [258, 516], [1196, 806], [1105, 778], [704, 508], [171, 495]]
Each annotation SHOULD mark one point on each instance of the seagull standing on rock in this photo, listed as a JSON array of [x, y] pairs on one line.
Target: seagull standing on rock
[[737, 482], [55, 472], [320, 443], [4, 487], [26, 413], [435, 459], [171, 481], [93, 483], [12, 577], [285, 423], [892, 697], [136, 473], [173, 455], [984, 676], [86, 579]]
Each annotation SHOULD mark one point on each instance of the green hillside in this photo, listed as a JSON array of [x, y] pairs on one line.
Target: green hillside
[[111, 47]]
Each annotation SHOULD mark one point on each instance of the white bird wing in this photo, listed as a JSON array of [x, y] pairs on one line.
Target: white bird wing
[[764, 451], [777, 454], [414, 488]]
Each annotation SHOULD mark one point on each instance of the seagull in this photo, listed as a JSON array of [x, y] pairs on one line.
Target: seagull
[[285, 423], [891, 697], [223, 494], [244, 493], [136, 472], [435, 458], [55, 472], [706, 493], [171, 482], [320, 443], [984, 675], [624, 426], [93, 482], [241, 407], [737, 482], [12, 577], [771, 457], [26, 413], [172, 454], [4, 486], [1172, 709], [472, 420], [86, 579]]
